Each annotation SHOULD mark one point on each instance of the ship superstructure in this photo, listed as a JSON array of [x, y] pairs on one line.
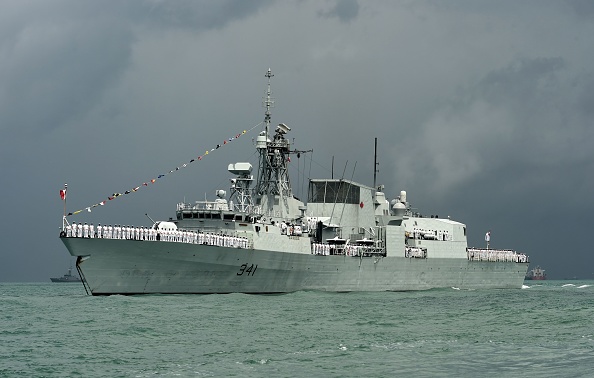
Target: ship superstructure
[[537, 274], [346, 237]]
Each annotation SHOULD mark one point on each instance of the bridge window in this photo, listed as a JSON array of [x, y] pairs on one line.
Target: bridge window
[[333, 191]]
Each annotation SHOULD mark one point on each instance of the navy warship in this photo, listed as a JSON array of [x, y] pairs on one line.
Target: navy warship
[[67, 277], [346, 237]]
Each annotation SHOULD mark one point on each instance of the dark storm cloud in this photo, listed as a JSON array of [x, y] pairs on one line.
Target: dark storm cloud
[[527, 118], [584, 8], [344, 10], [586, 98], [524, 79], [196, 14], [82, 48], [79, 62]]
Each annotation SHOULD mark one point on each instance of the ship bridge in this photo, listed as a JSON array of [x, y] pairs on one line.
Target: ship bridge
[[345, 203], [334, 191]]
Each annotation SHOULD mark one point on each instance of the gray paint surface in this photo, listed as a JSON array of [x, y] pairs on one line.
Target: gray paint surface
[[137, 267]]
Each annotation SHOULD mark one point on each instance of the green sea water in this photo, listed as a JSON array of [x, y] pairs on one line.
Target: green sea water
[[56, 330]]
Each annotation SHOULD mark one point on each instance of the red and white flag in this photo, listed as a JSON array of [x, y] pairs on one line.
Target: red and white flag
[[63, 192]]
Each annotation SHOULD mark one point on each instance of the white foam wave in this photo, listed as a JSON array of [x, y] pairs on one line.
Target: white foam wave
[[583, 286], [525, 287], [566, 285], [455, 288]]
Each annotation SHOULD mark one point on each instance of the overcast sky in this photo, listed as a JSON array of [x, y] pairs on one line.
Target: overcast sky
[[483, 110]]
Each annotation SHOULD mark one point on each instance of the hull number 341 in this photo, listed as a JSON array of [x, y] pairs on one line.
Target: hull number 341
[[248, 270]]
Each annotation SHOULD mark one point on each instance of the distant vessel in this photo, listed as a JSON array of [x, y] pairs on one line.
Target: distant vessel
[[68, 277], [536, 274], [346, 237]]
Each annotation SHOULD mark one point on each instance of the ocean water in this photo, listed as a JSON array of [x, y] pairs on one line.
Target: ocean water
[[56, 330]]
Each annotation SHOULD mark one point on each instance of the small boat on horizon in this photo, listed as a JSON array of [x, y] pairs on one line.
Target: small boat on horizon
[[68, 277]]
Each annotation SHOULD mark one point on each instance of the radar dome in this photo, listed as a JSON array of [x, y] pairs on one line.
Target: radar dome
[[261, 140], [398, 208]]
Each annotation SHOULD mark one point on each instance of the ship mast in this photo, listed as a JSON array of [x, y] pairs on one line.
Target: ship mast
[[268, 103], [273, 184], [375, 164]]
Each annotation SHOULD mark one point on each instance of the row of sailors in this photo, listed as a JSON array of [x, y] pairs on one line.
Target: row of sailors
[[289, 229], [150, 234], [348, 249], [320, 249], [415, 252], [193, 237], [495, 255], [312, 225], [109, 232]]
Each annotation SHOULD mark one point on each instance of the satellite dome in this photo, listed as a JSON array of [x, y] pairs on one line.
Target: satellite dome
[[398, 208]]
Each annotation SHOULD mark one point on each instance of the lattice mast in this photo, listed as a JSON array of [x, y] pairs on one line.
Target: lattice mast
[[273, 175], [241, 191]]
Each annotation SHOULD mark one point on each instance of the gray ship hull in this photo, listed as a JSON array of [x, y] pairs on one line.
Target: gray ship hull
[[110, 266], [71, 279]]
